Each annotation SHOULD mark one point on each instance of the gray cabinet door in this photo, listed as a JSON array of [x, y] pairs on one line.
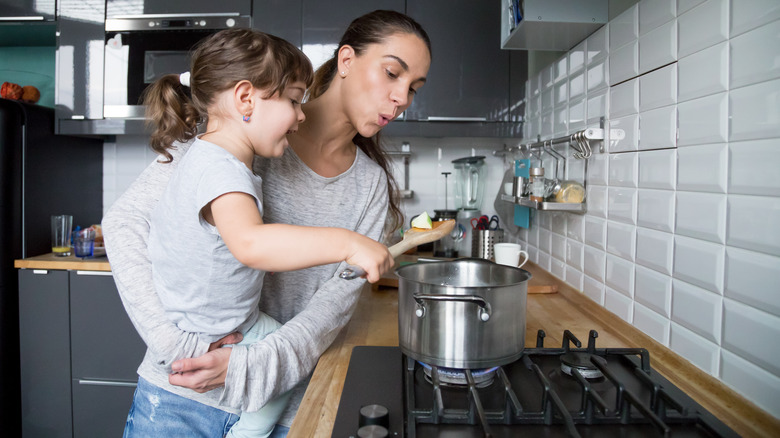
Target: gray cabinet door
[[100, 410], [278, 17], [104, 345], [44, 328], [325, 22], [469, 75]]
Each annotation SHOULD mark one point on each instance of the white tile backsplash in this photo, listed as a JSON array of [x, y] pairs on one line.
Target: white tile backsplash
[[655, 250], [656, 209], [652, 323], [658, 88], [753, 278], [753, 223], [703, 26], [748, 331], [700, 351], [659, 128], [699, 262], [654, 290], [750, 14], [653, 13], [703, 120], [658, 47], [624, 99], [755, 111], [703, 168], [621, 203], [623, 63], [697, 309], [701, 215], [684, 244], [704, 73], [753, 167], [747, 378]]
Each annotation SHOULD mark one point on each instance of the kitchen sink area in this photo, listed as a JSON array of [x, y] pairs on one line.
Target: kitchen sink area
[[629, 147]]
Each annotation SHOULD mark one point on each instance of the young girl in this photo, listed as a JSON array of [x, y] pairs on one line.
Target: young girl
[[208, 244]]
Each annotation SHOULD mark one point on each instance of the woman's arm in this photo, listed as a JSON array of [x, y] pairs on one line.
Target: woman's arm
[[126, 233], [288, 355]]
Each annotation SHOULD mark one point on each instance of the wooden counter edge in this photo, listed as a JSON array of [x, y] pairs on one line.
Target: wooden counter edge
[[69, 263]]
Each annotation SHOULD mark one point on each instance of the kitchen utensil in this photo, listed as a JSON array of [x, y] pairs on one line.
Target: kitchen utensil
[[412, 238], [467, 313], [483, 241], [447, 245], [509, 254], [469, 182], [61, 226]]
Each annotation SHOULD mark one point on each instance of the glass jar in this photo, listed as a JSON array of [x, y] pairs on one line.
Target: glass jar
[[536, 183]]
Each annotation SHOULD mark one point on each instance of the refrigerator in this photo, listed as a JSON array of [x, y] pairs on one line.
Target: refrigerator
[[41, 174]]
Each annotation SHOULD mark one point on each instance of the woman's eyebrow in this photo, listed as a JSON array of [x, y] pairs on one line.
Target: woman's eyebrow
[[404, 65]]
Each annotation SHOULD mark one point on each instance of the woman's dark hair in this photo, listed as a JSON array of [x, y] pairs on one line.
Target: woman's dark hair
[[372, 28], [219, 62]]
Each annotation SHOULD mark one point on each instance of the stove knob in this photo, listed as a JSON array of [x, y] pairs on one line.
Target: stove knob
[[372, 431], [374, 415]]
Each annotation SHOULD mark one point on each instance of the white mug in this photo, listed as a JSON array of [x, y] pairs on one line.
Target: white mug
[[509, 254]]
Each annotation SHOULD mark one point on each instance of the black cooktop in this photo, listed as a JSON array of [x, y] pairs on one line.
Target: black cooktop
[[549, 392]]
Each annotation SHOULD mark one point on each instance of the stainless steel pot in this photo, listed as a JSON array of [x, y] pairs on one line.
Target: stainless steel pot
[[467, 313]]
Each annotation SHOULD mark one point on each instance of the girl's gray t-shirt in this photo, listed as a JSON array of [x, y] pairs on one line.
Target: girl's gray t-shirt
[[202, 287]]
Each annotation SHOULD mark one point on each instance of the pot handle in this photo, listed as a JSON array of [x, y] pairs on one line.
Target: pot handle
[[484, 306]]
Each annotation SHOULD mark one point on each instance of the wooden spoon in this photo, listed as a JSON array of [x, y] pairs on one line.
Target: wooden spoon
[[412, 237]]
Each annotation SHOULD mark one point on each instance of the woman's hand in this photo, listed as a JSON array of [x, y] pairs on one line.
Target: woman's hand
[[207, 372]]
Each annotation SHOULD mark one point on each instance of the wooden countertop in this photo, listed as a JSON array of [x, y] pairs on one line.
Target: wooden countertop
[[375, 322], [71, 262]]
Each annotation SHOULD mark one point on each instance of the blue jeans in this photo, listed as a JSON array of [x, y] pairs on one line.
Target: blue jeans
[[162, 413]]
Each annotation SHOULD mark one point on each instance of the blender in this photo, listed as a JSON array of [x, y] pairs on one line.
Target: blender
[[469, 192], [447, 246]]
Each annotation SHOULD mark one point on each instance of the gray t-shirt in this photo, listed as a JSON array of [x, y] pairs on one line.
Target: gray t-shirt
[[202, 287], [313, 304]]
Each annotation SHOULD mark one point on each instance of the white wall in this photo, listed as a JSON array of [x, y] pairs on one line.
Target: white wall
[[682, 233]]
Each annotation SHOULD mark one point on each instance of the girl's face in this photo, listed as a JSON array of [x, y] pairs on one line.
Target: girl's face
[[381, 83], [275, 117]]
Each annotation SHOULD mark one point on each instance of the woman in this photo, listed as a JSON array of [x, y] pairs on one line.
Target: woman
[[333, 174]]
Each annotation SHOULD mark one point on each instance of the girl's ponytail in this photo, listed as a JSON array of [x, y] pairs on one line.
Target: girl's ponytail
[[170, 114]]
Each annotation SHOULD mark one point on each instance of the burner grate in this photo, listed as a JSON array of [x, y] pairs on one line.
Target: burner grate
[[514, 398]]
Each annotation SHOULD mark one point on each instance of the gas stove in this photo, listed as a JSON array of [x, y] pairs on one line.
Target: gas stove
[[548, 392]]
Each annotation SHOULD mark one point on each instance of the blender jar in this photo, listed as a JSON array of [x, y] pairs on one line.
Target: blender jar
[[469, 182]]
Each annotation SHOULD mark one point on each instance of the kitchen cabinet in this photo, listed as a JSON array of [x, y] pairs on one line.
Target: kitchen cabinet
[[547, 25], [279, 17], [135, 7], [27, 10], [469, 75], [79, 354]]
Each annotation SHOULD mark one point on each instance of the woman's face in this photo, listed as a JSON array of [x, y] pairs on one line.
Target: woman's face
[[380, 83]]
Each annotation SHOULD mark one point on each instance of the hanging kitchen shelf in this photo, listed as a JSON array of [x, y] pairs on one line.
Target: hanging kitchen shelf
[[580, 143]]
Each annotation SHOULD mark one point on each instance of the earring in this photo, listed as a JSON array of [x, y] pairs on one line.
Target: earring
[[246, 118], [343, 74]]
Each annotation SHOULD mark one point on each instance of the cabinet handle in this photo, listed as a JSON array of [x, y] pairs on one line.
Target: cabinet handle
[[95, 273], [456, 119], [40, 271], [24, 18], [107, 383]]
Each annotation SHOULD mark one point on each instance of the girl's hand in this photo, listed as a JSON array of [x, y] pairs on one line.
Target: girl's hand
[[370, 255], [202, 374]]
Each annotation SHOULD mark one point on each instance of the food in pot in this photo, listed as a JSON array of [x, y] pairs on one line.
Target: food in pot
[[9, 90], [422, 221], [30, 94]]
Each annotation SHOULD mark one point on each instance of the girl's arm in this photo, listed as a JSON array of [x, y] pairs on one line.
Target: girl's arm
[[282, 247], [255, 374], [126, 233]]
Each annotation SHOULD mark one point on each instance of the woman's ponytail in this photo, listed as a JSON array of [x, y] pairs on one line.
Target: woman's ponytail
[[170, 114]]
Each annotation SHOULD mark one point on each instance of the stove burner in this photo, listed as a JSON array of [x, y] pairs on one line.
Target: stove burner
[[580, 362], [456, 377]]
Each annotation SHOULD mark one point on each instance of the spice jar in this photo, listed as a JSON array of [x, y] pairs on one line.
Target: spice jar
[[536, 182]]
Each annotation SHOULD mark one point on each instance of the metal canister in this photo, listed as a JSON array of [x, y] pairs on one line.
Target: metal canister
[[483, 241]]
